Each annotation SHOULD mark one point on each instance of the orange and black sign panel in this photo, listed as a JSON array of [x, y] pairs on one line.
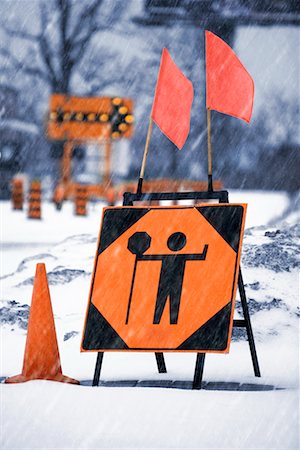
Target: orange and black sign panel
[[165, 279]]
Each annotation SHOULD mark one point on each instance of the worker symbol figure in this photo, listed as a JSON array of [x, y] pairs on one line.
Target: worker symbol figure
[[172, 271]]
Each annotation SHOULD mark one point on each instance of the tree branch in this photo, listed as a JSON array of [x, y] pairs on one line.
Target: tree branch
[[21, 65], [20, 34], [45, 49], [84, 20], [66, 63], [79, 47]]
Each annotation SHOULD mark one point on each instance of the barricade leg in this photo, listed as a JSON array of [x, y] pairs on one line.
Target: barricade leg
[[248, 325], [197, 382], [98, 368], [161, 365]]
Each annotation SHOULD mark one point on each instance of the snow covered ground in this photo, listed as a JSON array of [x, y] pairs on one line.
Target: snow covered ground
[[235, 410]]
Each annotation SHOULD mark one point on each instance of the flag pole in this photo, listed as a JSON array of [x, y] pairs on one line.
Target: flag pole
[[142, 171], [209, 151]]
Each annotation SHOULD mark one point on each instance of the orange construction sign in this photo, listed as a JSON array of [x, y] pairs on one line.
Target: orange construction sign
[[89, 118], [165, 279]]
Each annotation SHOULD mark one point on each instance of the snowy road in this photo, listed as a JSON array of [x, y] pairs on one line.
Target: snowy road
[[49, 415]]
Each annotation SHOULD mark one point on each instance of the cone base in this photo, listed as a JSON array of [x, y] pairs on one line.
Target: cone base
[[58, 377]]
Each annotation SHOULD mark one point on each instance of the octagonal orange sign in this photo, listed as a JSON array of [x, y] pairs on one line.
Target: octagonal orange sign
[[165, 279]]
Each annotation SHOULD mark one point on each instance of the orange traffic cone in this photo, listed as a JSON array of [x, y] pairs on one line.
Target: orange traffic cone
[[41, 358]]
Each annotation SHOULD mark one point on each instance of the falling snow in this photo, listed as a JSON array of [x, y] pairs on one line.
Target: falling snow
[[108, 48]]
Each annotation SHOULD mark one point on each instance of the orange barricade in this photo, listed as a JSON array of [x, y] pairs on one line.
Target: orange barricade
[[17, 194], [59, 196], [110, 196], [35, 195], [81, 198]]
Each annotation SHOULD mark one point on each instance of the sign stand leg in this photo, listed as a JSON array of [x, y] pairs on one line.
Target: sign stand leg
[[248, 325], [197, 382], [161, 362], [98, 368]]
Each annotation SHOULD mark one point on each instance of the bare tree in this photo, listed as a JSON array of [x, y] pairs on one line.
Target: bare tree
[[66, 28]]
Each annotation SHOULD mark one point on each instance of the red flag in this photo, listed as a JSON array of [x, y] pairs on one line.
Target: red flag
[[173, 101], [229, 87]]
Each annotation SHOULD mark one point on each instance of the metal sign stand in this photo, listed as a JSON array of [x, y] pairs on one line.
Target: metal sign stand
[[222, 197]]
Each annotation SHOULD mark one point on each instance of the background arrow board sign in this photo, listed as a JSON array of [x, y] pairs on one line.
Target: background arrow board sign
[[165, 278]]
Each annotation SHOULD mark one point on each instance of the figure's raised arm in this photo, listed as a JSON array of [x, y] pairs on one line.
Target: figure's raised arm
[[197, 256], [149, 257]]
